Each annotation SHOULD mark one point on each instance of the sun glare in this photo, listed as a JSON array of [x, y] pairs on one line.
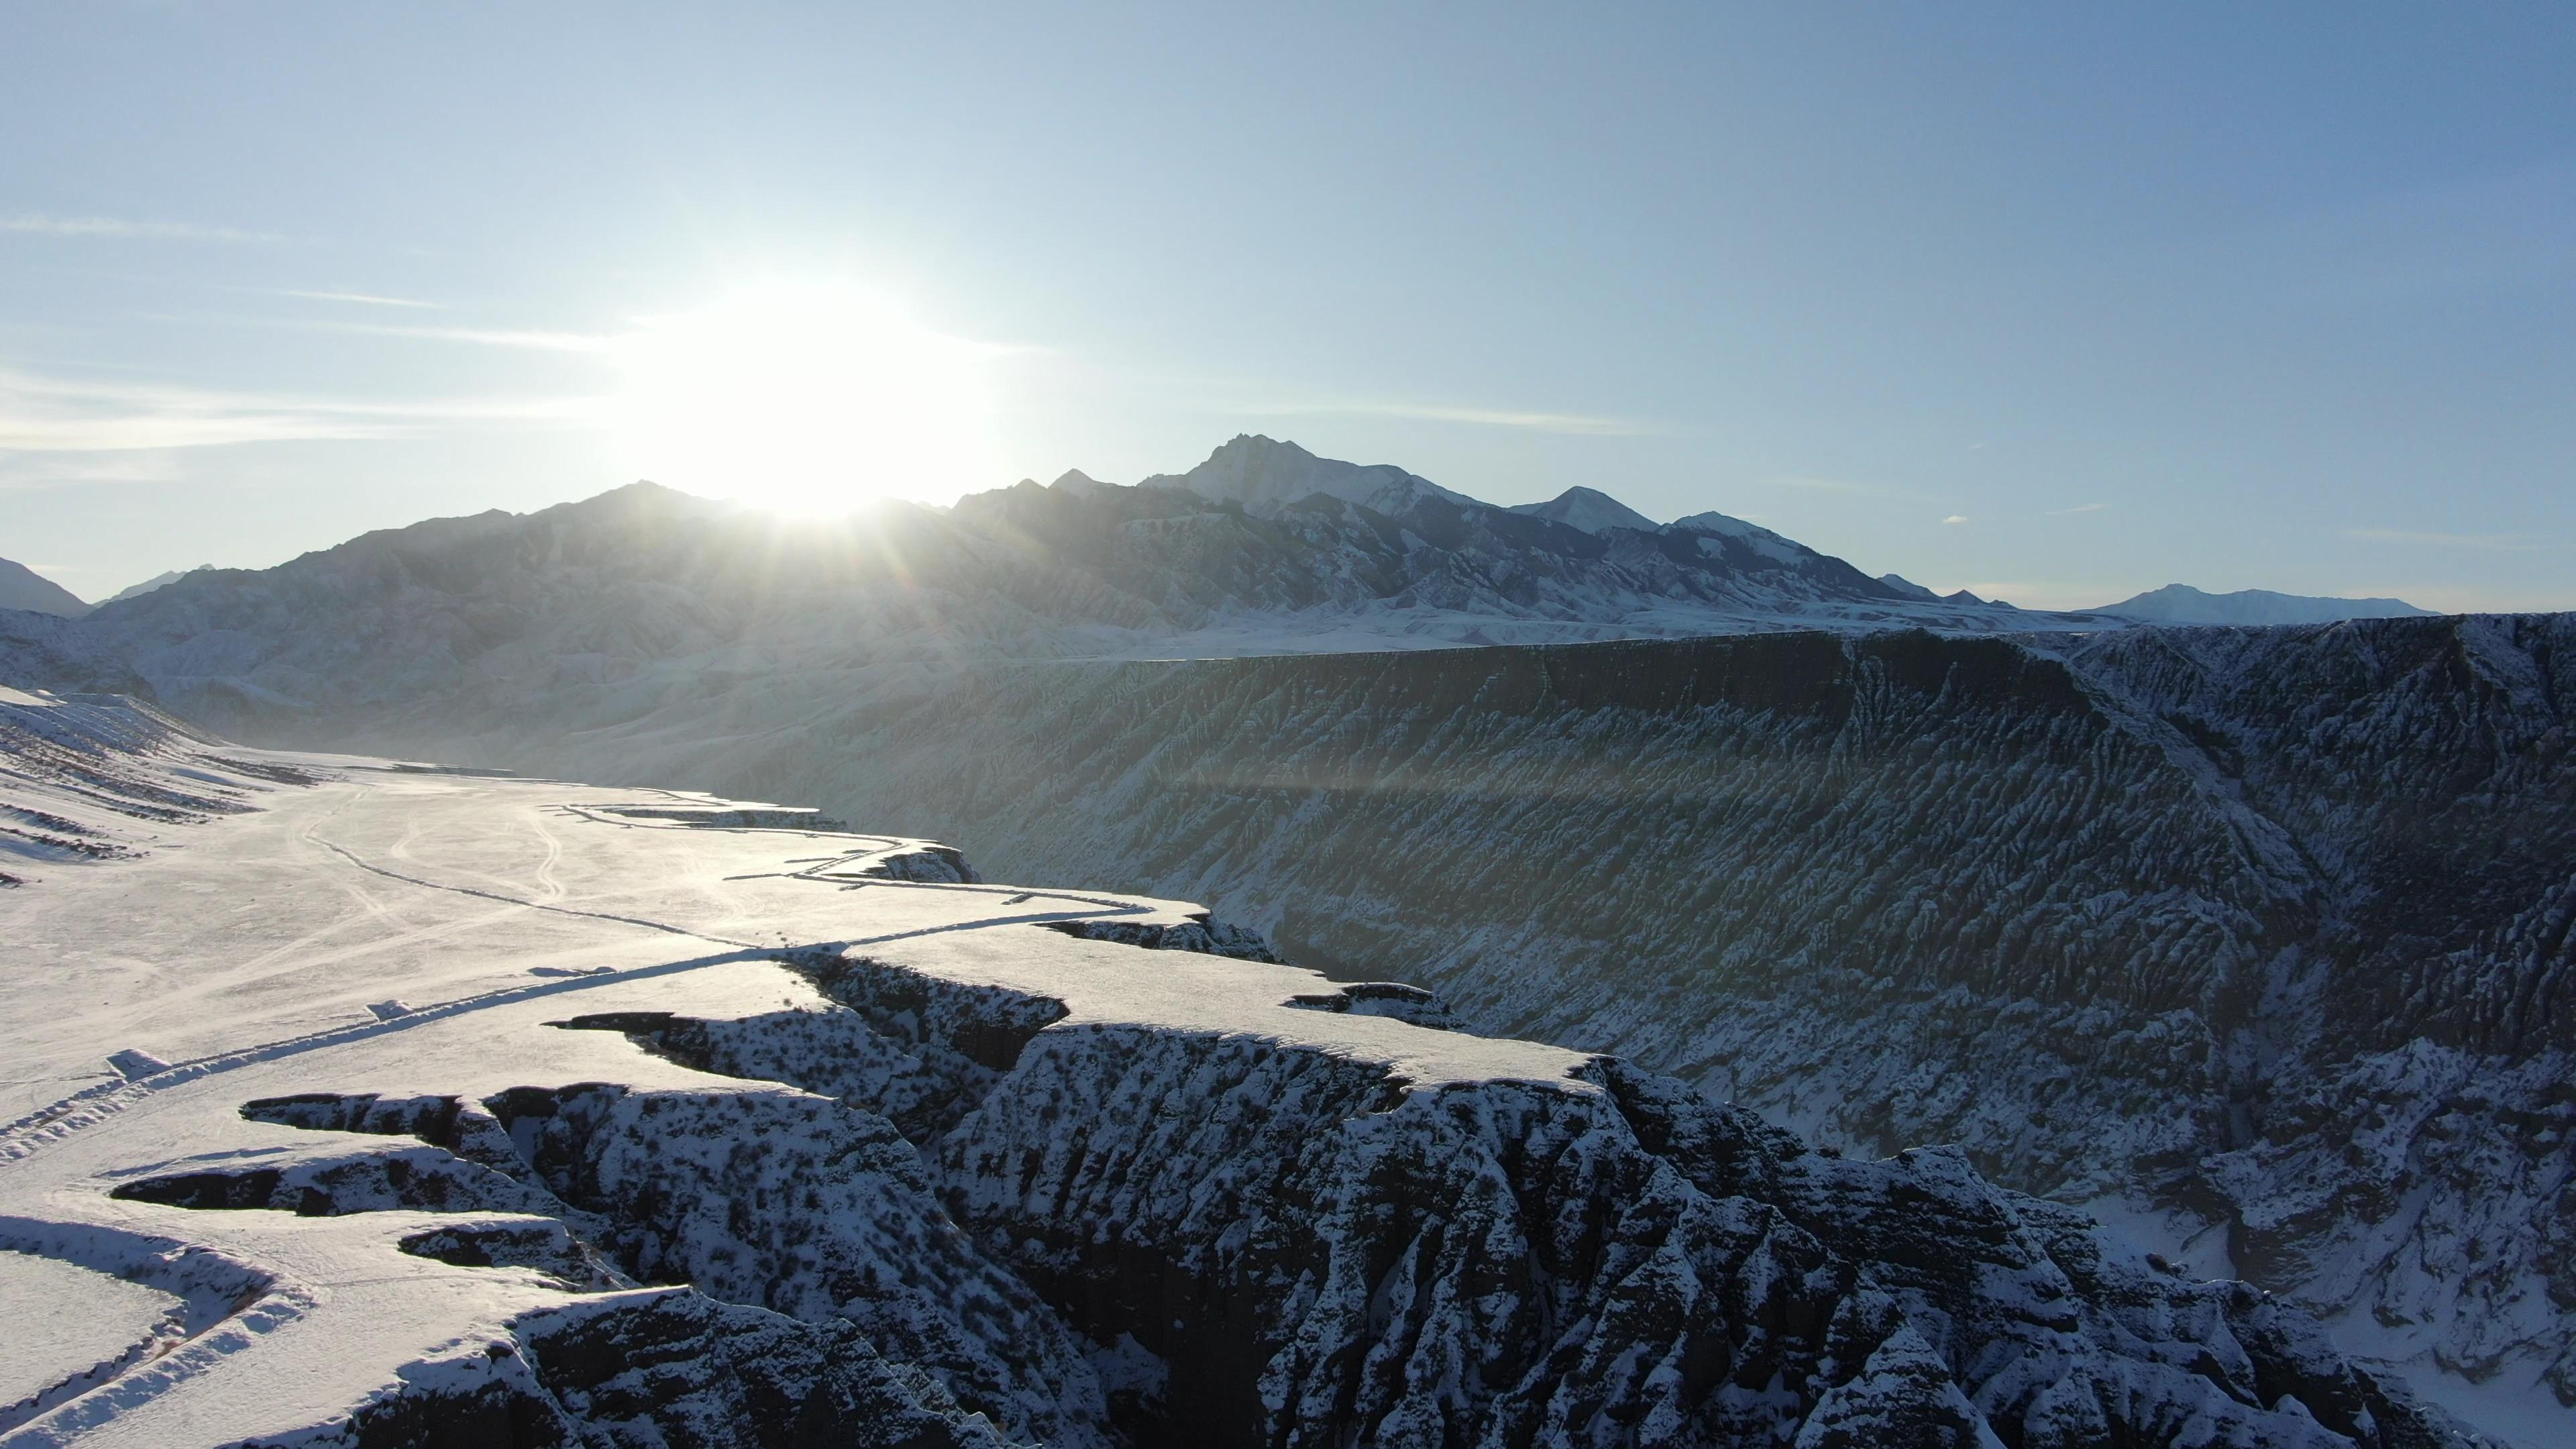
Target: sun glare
[[806, 399]]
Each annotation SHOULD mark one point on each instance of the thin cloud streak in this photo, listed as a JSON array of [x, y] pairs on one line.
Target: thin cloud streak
[[477, 336], [2078, 508], [364, 298], [1574, 424], [51, 415], [2485, 542], [108, 226]]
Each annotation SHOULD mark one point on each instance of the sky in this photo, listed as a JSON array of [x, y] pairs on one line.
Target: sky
[[2058, 303]]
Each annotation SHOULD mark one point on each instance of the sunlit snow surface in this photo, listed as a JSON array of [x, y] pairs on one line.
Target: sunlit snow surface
[[64, 1319], [244, 950]]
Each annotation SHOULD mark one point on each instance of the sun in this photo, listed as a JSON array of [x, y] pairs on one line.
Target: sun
[[807, 398]]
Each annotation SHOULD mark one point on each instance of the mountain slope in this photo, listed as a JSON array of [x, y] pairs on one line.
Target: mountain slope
[[23, 588], [2262, 931], [2183, 604]]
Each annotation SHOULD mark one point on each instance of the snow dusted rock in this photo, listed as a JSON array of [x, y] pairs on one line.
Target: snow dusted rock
[[2261, 932], [945, 1177], [1215, 938]]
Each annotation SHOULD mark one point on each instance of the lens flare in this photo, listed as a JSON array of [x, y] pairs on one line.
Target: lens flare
[[808, 399]]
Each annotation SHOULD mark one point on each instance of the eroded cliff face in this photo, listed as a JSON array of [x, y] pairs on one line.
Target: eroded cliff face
[[1102, 1234], [2266, 928]]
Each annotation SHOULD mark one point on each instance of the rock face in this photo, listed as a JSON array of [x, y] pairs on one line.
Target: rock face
[[2268, 929], [1264, 1245]]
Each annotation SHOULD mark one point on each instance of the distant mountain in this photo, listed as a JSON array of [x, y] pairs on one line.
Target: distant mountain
[[23, 588], [497, 630], [1265, 474], [1588, 509], [2183, 604], [154, 582]]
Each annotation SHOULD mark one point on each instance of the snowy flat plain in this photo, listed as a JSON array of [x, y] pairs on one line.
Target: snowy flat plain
[[404, 932]]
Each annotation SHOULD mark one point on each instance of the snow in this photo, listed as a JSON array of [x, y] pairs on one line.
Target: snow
[[64, 1320], [251, 954], [862, 1102], [1761, 540]]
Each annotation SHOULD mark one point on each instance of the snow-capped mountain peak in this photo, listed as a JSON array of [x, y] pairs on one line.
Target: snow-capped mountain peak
[[1759, 539], [1588, 509], [1264, 475]]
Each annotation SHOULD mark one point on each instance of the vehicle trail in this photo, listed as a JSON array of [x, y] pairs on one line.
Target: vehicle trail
[[548, 885], [93, 1105]]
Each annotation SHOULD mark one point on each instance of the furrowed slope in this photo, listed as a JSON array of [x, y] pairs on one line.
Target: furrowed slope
[[2266, 929]]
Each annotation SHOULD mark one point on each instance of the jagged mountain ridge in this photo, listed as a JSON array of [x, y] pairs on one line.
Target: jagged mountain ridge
[[170, 576], [2266, 929], [601, 613]]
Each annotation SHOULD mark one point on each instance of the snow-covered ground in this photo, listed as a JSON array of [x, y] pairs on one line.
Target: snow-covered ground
[[402, 931], [375, 1089]]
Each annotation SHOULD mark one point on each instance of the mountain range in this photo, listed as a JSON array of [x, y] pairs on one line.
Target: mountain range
[[2253, 938], [1364, 556]]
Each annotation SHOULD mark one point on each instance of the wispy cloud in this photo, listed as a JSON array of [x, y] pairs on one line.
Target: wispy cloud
[[56, 415], [515, 337], [119, 228], [1956, 518], [477, 336], [2078, 508], [2484, 542], [362, 298], [1581, 424]]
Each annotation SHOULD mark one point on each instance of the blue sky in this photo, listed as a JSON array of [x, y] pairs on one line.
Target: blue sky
[[2052, 301]]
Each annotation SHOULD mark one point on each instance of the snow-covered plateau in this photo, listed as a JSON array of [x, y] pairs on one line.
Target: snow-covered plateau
[[364, 1102]]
